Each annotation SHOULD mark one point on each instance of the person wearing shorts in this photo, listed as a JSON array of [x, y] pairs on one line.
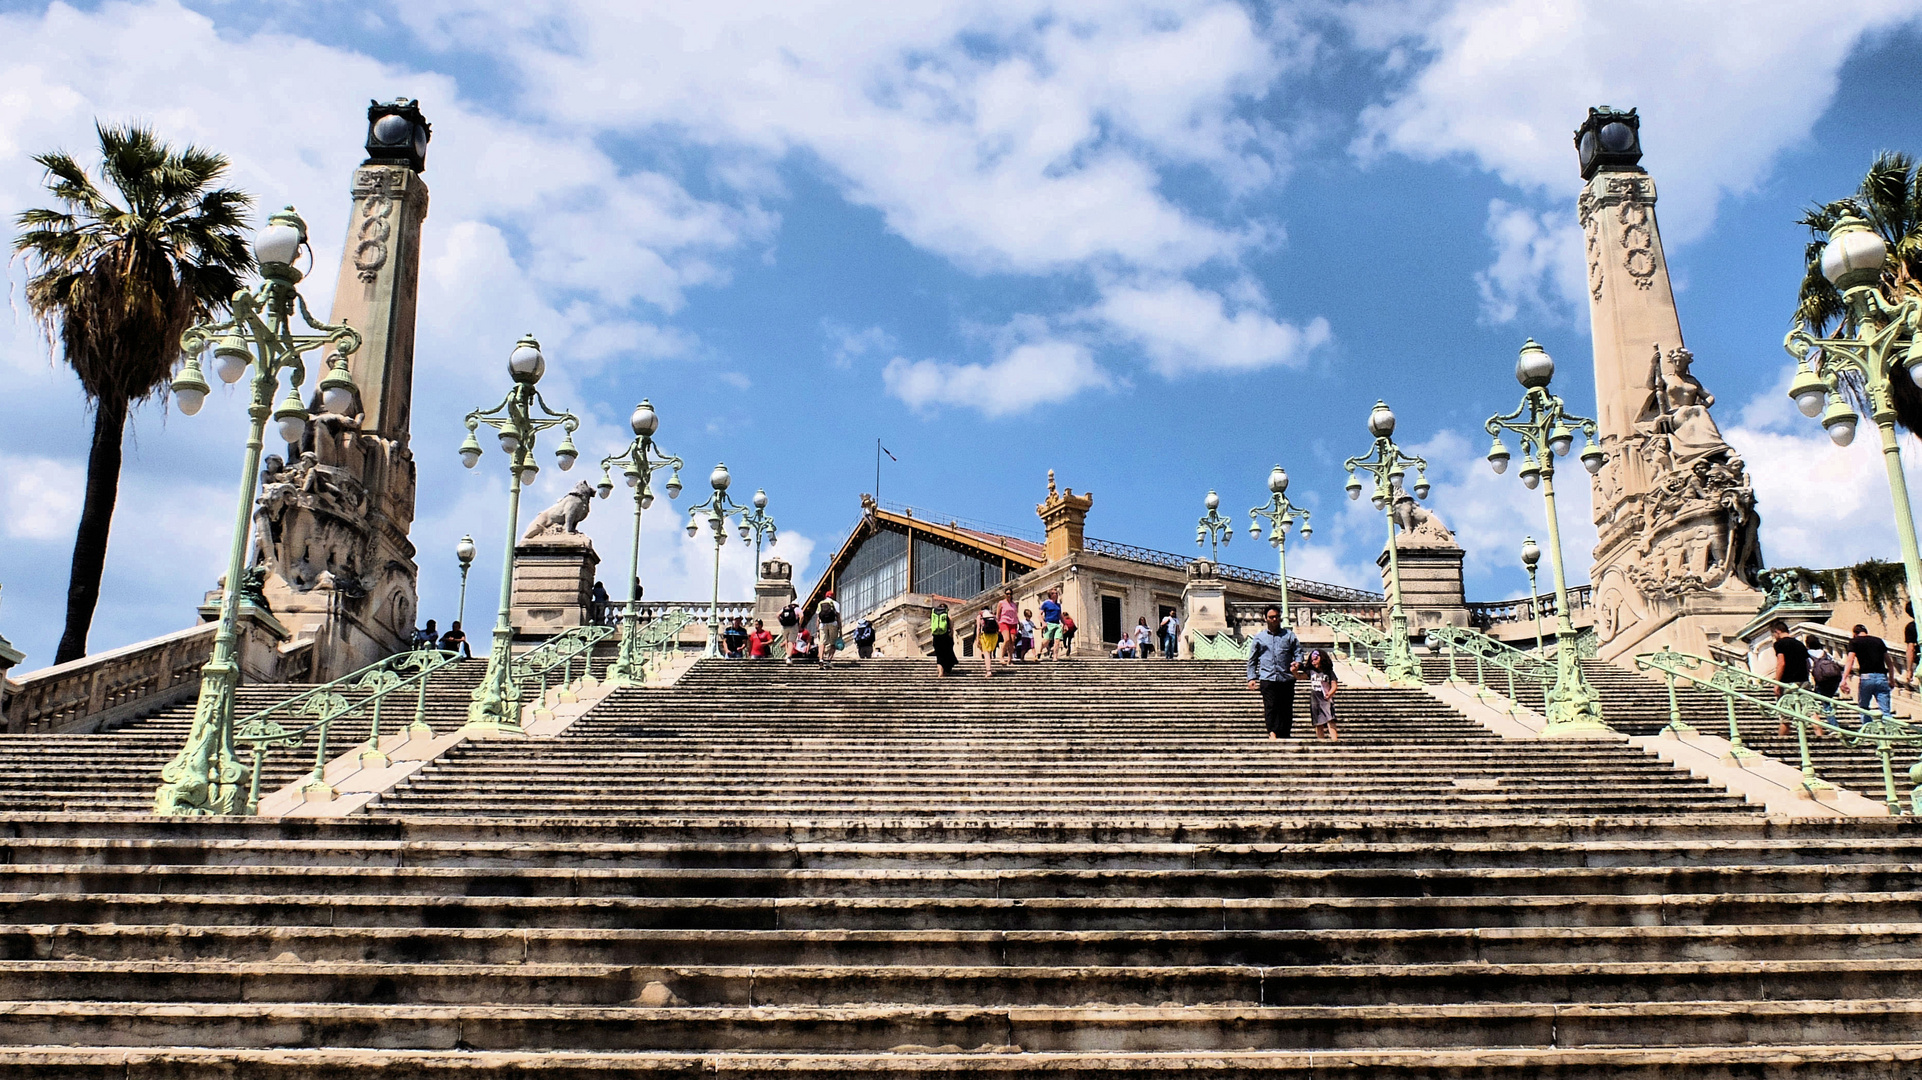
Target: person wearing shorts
[[1052, 634]]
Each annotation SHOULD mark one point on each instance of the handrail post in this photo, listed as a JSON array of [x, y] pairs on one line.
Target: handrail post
[[1736, 747], [419, 728]]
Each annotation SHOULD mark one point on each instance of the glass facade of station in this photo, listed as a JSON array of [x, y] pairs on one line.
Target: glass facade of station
[[878, 571]]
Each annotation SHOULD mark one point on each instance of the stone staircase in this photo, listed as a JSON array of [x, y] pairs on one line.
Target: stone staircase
[[1093, 738], [118, 770], [1635, 703], [1097, 869]]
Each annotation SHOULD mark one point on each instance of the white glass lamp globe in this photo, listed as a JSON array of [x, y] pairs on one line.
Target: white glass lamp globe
[[645, 420], [525, 363], [719, 478], [1381, 421], [278, 242], [1278, 480], [1854, 255], [1534, 367]]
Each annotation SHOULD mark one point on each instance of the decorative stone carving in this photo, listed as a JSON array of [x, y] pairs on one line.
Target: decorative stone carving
[[1416, 524], [564, 516]]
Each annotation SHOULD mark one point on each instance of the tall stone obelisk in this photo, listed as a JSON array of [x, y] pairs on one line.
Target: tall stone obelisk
[[331, 525], [1678, 553]]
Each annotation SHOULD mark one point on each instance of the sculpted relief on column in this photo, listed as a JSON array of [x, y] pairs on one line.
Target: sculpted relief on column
[[1677, 494]]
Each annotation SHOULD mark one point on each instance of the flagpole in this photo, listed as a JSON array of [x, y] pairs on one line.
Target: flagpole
[[877, 470]]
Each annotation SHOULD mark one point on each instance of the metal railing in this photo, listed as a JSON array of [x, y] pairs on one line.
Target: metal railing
[[661, 636], [1243, 615], [364, 690], [558, 653], [1797, 705], [1366, 644], [1487, 652]]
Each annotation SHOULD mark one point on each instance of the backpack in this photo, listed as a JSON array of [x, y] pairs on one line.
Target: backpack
[[827, 613], [1825, 670], [863, 634], [938, 623], [788, 616]]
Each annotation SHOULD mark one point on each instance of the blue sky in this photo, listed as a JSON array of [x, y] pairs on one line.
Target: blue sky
[[1157, 247]]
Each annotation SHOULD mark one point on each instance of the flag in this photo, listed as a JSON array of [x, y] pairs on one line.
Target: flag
[[890, 454]]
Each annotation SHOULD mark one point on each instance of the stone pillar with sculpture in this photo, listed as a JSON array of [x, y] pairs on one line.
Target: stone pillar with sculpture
[[1204, 605], [1678, 554], [554, 567], [773, 590], [1431, 567], [330, 526]]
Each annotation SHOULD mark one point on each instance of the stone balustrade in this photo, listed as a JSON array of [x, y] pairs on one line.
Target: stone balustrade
[[96, 691]]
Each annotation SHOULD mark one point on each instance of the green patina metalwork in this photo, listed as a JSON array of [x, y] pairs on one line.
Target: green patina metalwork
[[1282, 515], [1546, 431], [280, 726], [661, 636], [1798, 705], [1218, 647], [205, 777], [1388, 465], [496, 703], [552, 662], [1366, 645], [639, 462], [1514, 664]]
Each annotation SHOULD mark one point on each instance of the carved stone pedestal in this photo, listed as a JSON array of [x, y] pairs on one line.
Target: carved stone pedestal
[[1431, 583], [772, 593], [1204, 606], [553, 583]]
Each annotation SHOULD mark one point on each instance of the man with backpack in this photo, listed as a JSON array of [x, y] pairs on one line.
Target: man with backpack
[[1825, 672], [863, 638], [790, 620], [941, 630], [827, 620]]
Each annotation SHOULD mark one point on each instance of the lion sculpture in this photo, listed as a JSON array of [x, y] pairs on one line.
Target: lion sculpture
[[564, 516]]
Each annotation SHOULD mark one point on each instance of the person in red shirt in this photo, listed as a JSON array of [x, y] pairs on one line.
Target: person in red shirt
[[760, 643]]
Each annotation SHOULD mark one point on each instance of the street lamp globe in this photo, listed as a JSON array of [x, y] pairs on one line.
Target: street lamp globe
[[674, 486], [1353, 487], [464, 551], [1278, 480], [1213, 501], [719, 478], [1840, 421], [1307, 529], [1254, 530], [526, 364], [1498, 457], [645, 420], [693, 524], [1421, 486], [1810, 392], [1381, 422], [1534, 367], [510, 442], [1561, 440], [760, 499], [470, 451], [231, 358], [566, 454], [292, 417], [1531, 552], [1531, 474], [606, 486], [279, 243], [190, 388], [1854, 255]]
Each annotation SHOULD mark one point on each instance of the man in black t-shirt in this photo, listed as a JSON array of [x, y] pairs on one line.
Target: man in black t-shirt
[[1791, 662], [1868, 662]]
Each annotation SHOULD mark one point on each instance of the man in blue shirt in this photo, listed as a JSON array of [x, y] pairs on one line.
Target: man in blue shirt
[[1273, 656], [1051, 625]]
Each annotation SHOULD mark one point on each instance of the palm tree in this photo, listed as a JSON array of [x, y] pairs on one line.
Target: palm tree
[[115, 276], [1890, 200]]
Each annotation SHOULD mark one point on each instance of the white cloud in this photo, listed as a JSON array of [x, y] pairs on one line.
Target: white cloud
[[1185, 329], [40, 497], [1490, 513], [1038, 373], [846, 345], [1721, 88], [1538, 265]]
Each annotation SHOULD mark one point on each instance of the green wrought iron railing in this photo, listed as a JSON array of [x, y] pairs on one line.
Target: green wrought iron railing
[[662, 635], [363, 692], [1883, 733], [558, 658], [1365, 644], [1486, 652], [1219, 647]]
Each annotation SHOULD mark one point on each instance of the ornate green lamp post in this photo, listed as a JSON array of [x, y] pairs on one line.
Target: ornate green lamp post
[[1212, 528], [639, 462], [1532, 554], [496, 705], [1282, 515], [759, 525], [1876, 343], [717, 509], [204, 777], [464, 551], [1388, 464], [1544, 426]]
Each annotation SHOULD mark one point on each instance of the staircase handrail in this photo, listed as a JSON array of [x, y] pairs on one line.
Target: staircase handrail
[[663, 628], [1366, 644], [1486, 650], [1796, 705], [557, 652], [265, 730]]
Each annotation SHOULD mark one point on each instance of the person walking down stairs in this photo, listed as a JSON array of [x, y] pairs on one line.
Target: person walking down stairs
[[1320, 667], [1273, 657], [987, 638]]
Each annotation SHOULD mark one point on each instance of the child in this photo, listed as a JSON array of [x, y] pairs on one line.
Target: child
[[1321, 694]]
